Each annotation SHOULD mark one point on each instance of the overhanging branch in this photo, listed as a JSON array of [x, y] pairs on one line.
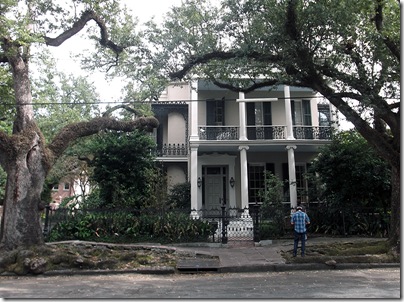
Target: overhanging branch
[[221, 56], [72, 132], [126, 107], [379, 24], [79, 25], [250, 88]]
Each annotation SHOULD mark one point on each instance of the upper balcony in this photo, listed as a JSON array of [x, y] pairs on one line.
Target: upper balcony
[[273, 132]]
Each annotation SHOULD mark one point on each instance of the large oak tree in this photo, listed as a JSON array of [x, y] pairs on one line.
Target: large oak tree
[[24, 154], [348, 51]]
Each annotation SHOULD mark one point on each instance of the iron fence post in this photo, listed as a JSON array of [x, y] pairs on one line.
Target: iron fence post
[[256, 227], [46, 227], [224, 225]]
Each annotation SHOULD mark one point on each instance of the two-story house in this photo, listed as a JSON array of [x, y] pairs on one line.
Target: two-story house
[[222, 141]]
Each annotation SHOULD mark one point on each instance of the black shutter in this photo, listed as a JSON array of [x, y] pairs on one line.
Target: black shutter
[[268, 131], [267, 113], [292, 108], [270, 167], [250, 114], [251, 133], [210, 112], [306, 113]]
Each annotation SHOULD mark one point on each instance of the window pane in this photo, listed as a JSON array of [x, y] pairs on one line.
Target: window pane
[[256, 182], [297, 113]]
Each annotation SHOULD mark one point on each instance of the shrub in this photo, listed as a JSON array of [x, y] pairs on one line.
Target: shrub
[[180, 196], [167, 227]]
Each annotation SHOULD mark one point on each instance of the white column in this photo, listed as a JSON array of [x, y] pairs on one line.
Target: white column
[[194, 182], [194, 135], [288, 112], [242, 117], [244, 176], [292, 175]]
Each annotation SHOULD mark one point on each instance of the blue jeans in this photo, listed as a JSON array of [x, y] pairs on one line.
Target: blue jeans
[[302, 238]]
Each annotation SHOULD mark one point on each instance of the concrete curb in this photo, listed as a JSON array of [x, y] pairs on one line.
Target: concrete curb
[[158, 270], [303, 266]]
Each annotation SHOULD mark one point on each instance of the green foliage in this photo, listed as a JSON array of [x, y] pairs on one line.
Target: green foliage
[[272, 193], [272, 209], [7, 111], [332, 220], [60, 100], [158, 191], [123, 168], [351, 173], [353, 183], [129, 227], [180, 196]]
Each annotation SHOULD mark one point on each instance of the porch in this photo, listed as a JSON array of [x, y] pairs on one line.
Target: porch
[[264, 132]]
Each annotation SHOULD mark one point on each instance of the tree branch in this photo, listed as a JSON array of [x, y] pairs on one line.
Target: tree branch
[[378, 19], [222, 56], [82, 129], [79, 25], [250, 88], [123, 106]]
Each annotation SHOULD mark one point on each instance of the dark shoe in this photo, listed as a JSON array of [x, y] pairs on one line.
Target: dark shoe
[[294, 255], [302, 255]]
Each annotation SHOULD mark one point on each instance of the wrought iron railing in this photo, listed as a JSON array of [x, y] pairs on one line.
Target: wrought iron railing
[[172, 150], [266, 132], [312, 132], [218, 132]]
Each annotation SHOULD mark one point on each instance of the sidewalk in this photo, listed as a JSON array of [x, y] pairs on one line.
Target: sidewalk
[[250, 257], [237, 257]]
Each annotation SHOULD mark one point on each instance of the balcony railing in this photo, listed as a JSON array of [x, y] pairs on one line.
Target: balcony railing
[[218, 132], [312, 132], [172, 150], [266, 132]]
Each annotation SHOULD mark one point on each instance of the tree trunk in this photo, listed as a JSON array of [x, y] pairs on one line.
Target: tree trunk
[[24, 156], [26, 174]]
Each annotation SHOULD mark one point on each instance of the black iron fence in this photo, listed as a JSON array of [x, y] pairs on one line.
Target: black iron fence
[[208, 225]]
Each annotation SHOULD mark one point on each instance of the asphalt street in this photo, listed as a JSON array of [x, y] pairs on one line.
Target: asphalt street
[[381, 283]]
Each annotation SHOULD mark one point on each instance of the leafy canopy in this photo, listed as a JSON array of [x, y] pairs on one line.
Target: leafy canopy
[[123, 166], [351, 173]]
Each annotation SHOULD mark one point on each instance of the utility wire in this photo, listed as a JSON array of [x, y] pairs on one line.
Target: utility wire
[[146, 102]]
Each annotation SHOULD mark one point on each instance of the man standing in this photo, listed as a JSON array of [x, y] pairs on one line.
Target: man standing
[[299, 220]]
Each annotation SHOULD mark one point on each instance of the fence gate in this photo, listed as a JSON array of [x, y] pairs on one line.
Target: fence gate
[[233, 224]]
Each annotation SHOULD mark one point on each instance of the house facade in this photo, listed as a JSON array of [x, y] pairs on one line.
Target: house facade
[[67, 188], [222, 141]]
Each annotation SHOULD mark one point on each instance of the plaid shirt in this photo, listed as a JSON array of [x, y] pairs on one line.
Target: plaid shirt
[[299, 220]]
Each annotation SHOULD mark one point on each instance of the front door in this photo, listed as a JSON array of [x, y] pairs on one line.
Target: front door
[[215, 186]]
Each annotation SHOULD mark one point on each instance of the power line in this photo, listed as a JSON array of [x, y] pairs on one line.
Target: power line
[[157, 102], [138, 102]]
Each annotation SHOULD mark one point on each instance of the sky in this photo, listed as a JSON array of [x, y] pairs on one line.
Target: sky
[[110, 90]]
